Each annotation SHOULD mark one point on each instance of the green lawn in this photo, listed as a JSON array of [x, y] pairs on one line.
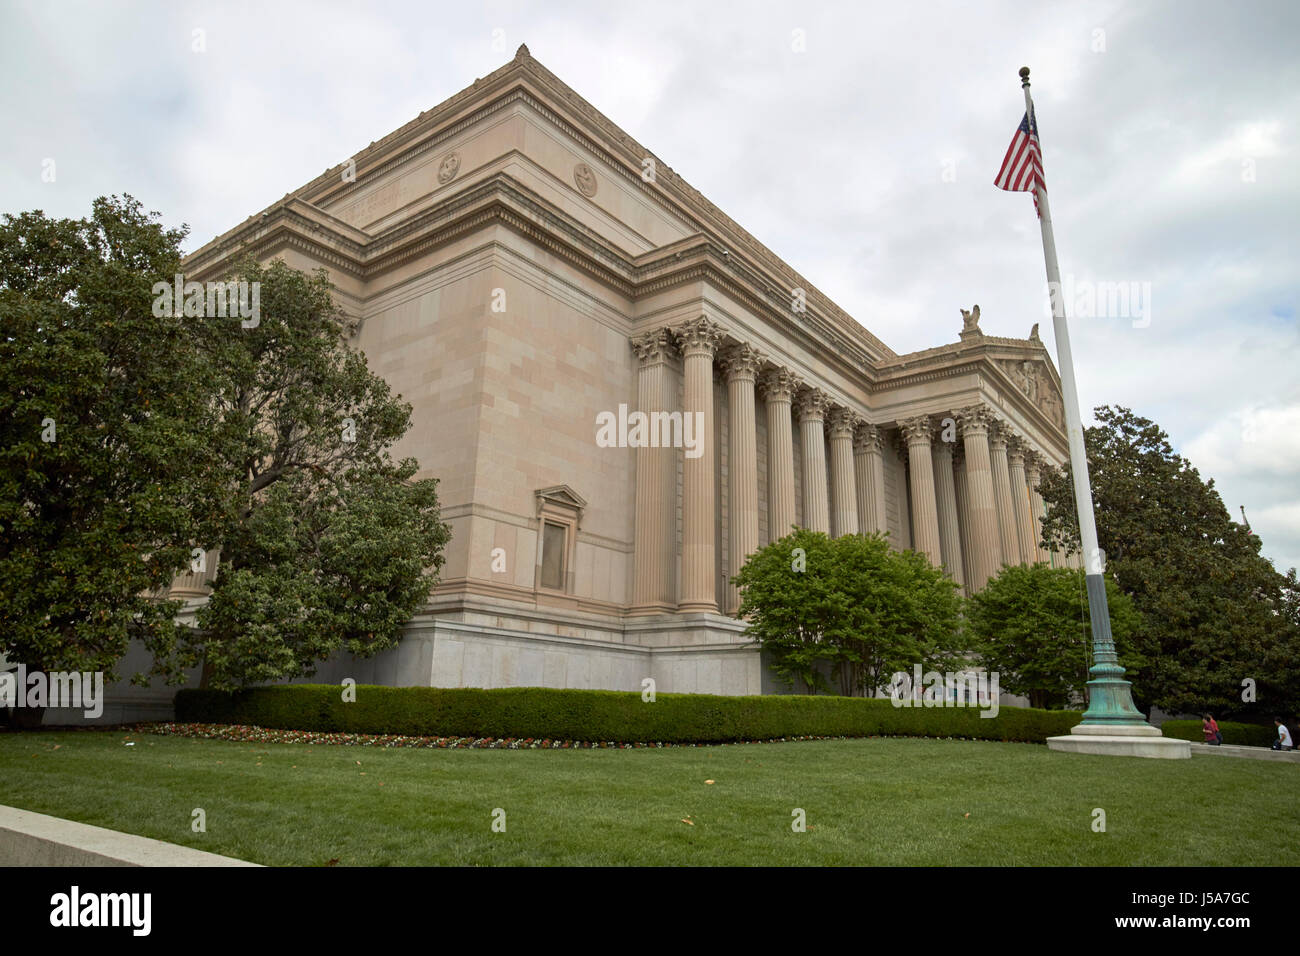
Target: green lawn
[[868, 802]]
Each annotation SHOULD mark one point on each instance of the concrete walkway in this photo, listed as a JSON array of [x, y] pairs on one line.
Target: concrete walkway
[[1251, 753], [34, 839]]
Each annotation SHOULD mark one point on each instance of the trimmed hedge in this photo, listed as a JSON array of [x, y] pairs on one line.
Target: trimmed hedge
[[599, 715], [1249, 735]]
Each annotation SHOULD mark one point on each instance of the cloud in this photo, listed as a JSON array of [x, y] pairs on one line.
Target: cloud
[[834, 157]]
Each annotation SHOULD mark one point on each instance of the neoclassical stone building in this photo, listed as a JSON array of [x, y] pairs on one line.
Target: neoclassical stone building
[[520, 267]]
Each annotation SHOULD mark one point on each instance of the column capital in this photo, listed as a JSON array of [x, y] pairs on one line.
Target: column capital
[[653, 346], [699, 336], [843, 421], [1033, 467], [778, 385], [973, 419], [868, 438], [999, 435], [740, 361], [1017, 451], [812, 404], [916, 431]]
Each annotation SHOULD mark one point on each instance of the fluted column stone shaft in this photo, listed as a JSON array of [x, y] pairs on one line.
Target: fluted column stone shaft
[[741, 364], [1033, 475], [962, 488], [945, 494], [843, 422], [699, 340], [812, 406], [925, 517], [778, 387], [986, 543], [1020, 501], [654, 525], [869, 466], [1002, 494]]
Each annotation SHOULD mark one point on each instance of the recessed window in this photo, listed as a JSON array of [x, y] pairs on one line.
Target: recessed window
[[554, 539]]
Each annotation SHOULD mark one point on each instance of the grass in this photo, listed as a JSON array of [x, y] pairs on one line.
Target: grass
[[880, 802]]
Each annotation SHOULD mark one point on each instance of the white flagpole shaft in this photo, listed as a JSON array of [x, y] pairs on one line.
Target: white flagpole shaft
[[1070, 392]]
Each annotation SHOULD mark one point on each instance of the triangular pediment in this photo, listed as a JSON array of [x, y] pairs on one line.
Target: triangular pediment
[[1037, 381], [563, 496]]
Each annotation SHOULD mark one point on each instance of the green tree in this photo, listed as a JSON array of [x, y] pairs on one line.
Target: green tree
[[326, 542], [1030, 624], [106, 477], [1214, 611], [850, 606], [131, 435]]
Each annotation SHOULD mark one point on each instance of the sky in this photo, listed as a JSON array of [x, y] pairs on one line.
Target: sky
[[858, 141]]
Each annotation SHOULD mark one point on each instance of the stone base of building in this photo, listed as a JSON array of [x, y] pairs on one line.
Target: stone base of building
[[482, 643], [1139, 740]]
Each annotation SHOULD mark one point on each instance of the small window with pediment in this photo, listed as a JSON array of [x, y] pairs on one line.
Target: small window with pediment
[[559, 512]]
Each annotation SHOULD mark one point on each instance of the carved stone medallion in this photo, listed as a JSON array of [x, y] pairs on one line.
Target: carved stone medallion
[[585, 179], [449, 167]]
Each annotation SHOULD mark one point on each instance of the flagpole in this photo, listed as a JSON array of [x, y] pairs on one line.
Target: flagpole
[[1110, 699]]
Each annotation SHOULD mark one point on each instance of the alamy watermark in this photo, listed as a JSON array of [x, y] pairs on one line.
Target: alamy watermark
[[211, 300], [83, 689], [948, 689], [1084, 299], [651, 430]]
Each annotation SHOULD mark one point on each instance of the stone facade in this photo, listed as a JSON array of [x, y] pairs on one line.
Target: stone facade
[[520, 267]]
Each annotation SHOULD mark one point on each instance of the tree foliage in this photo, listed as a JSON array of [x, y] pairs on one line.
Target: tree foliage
[[130, 436], [326, 543], [1030, 624], [106, 470], [849, 606], [1214, 611]]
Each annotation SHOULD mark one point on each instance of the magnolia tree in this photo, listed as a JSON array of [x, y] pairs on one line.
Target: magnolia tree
[[1219, 624], [327, 542], [851, 607], [132, 435], [1030, 625], [108, 471]]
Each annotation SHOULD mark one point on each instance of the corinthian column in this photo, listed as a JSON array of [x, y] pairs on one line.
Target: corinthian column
[[962, 488], [925, 518], [945, 494], [699, 339], [1033, 475], [778, 388], [869, 463], [656, 485], [741, 364], [845, 498], [812, 404], [1002, 494], [986, 545], [1020, 501]]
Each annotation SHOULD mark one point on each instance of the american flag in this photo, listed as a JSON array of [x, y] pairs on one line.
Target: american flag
[[1022, 169]]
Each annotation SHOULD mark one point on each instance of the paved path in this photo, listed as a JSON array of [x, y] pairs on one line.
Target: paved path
[[1251, 753], [35, 839]]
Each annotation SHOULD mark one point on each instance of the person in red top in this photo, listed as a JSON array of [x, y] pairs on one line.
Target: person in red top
[[1211, 730]]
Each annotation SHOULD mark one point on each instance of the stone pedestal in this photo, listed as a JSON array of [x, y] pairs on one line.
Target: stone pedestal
[[1132, 740]]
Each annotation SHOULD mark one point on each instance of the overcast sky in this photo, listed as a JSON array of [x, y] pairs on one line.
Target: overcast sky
[[860, 149]]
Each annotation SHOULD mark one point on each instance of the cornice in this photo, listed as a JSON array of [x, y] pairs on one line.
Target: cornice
[[721, 253], [525, 80], [504, 200]]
